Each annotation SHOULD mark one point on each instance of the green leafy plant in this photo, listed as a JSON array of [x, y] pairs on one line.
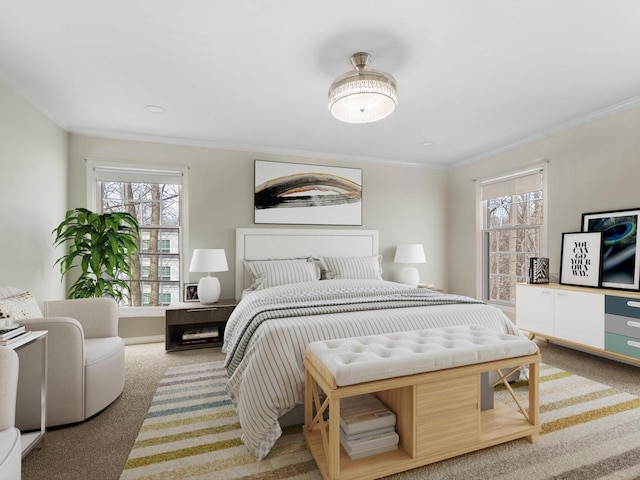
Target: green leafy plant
[[102, 245]]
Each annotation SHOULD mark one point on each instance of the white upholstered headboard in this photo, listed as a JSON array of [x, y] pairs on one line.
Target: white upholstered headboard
[[272, 243]]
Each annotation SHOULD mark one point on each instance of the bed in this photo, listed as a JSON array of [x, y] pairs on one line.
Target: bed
[[289, 306]]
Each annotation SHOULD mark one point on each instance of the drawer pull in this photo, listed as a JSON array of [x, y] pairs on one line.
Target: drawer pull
[[634, 304], [545, 292], [631, 323], [631, 343], [211, 309]]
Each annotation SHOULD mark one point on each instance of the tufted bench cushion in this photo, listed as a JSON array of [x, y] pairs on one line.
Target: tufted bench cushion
[[376, 357]]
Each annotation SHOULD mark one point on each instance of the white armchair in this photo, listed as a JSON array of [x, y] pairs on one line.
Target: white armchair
[[10, 445], [85, 360]]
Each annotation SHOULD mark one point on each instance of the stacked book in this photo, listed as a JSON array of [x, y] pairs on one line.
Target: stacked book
[[367, 426], [193, 336], [11, 334]]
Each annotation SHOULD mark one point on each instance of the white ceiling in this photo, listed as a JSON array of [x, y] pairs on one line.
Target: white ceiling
[[473, 76]]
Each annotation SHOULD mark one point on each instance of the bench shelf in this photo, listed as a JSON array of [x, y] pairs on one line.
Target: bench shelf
[[438, 416]]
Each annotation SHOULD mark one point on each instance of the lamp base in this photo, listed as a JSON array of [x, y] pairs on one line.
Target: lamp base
[[409, 276], [209, 290]]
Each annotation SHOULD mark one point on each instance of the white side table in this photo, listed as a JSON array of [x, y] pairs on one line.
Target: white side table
[[31, 404]]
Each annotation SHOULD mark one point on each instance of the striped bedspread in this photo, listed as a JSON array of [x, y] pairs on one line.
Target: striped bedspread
[[268, 332]]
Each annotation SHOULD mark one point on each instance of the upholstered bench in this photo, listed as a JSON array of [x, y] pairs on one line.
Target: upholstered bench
[[430, 379]]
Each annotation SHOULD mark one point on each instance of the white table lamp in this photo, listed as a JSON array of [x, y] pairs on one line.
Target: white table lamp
[[410, 254], [208, 260]]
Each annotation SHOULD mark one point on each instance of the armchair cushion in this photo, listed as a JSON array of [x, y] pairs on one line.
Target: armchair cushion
[[19, 306]]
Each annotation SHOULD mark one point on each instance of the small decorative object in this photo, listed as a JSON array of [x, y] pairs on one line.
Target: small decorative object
[[191, 292], [620, 261], [294, 193], [409, 254], [538, 270], [581, 259], [208, 260]]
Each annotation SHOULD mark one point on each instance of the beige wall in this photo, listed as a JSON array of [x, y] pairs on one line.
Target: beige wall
[[33, 195], [593, 167], [406, 205]]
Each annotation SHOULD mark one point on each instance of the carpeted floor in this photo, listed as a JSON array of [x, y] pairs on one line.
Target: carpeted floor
[[192, 432], [98, 448]]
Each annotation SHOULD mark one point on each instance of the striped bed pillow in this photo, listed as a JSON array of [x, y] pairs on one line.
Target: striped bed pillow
[[352, 268], [271, 273]]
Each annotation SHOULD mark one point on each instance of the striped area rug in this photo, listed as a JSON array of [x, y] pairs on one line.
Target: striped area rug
[[590, 431]]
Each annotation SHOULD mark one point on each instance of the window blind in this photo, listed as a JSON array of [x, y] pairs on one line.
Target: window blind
[[137, 175], [530, 181]]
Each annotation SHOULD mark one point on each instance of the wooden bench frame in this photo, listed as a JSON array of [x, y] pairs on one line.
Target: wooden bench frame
[[438, 416]]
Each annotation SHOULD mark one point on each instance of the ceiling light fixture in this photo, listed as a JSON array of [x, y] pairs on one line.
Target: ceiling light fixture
[[363, 95]]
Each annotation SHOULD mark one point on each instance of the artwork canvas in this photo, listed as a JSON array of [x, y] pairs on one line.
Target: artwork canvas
[[538, 270], [580, 256], [620, 262], [294, 193]]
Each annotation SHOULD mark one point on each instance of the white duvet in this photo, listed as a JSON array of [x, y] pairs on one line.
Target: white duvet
[[269, 330]]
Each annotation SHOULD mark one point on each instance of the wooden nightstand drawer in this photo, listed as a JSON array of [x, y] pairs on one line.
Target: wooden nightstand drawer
[[196, 326]]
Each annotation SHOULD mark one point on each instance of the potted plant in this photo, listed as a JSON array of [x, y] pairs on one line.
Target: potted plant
[[102, 245]]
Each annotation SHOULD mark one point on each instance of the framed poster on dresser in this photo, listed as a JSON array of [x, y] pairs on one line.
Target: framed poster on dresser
[[620, 261]]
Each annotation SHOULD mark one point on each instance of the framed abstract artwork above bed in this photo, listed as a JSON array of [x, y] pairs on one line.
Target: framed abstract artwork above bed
[[295, 193]]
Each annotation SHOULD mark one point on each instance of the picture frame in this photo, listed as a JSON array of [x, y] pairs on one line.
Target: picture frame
[[190, 292], [581, 259], [621, 244], [303, 194], [538, 270]]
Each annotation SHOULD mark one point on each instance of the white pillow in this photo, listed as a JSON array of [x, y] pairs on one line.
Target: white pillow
[[271, 273], [354, 268], [20, 307]]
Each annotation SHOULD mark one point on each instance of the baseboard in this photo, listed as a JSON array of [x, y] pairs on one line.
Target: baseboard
[[147, 339]]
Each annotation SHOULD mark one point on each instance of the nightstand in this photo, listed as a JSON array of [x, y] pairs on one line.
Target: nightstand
[[194, 325]]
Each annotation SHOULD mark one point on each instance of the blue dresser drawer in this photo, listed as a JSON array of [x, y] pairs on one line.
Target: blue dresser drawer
[[623, 306], [623, 345], [628, 327]]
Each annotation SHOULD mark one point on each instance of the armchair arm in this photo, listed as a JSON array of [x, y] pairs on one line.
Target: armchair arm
[[8, 387], [98, 316], [65, 368]]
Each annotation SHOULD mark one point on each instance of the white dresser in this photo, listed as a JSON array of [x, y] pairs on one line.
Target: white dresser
[[604, 321]]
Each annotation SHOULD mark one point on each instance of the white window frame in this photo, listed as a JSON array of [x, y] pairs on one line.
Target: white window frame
[[152, 173], [481, 263]]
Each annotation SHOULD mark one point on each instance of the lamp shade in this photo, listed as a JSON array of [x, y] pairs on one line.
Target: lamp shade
[[208, 260], [411, 253], [362, 95]]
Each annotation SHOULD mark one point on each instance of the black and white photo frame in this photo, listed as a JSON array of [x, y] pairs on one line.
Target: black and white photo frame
[[581, 259], [190, 293]]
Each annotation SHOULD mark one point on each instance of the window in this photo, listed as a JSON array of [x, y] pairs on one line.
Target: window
[[155, 198], [513, 226]]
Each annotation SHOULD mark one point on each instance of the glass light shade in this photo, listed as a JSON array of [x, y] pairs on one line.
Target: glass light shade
[[208, 260], [411, 253], [363, 95]]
